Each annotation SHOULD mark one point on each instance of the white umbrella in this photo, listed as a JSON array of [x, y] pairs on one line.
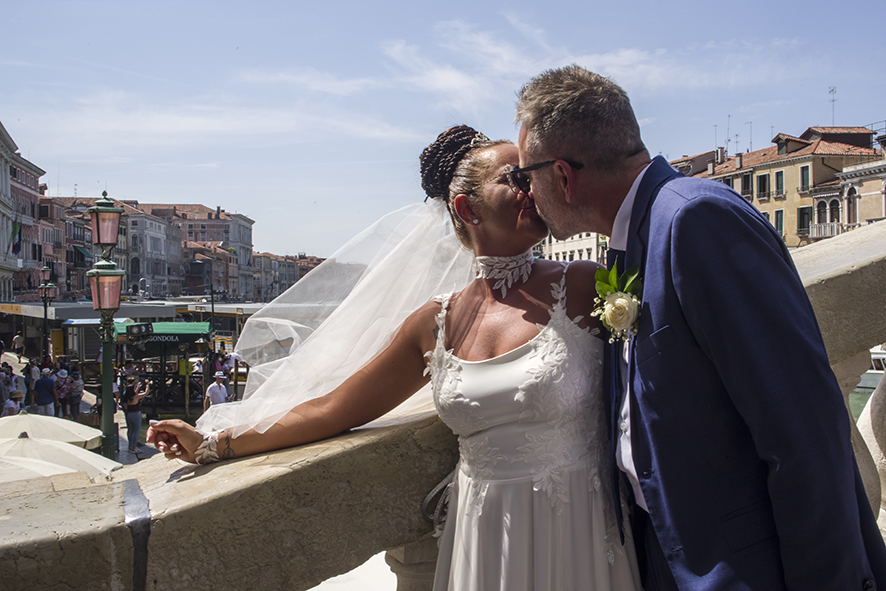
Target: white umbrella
[[43, 427], [27, 468], [56, 452]]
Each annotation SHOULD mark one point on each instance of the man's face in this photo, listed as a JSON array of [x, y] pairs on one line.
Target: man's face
[[550, 200]]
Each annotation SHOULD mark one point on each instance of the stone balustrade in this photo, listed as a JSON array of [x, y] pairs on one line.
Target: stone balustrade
[[293, 518]]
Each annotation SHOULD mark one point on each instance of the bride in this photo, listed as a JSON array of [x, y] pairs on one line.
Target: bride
[[514, 362]]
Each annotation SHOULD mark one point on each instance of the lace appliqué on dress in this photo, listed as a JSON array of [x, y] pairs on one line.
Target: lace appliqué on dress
[[478, 460], [443, 368], [556, 395]]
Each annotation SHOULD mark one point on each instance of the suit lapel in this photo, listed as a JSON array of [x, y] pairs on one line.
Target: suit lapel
[[658, 173]]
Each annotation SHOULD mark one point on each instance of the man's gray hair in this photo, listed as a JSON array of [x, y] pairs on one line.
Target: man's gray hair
[[573, 113]]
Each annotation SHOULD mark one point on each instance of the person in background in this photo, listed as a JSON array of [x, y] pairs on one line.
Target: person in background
[[13, 406], [216, 393], [75, 395], [4, 388], [131, 402], [47, 397], [18, 345], [62, 386], [32, 372], [129, 368]]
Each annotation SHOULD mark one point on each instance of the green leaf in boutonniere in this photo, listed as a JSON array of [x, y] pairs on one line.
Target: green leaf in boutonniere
[[618, 301]]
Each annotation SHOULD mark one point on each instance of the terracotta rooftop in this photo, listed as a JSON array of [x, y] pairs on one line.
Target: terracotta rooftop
[[864, 130], [194, 210], [770, 154], [685, 158], [784, 136]]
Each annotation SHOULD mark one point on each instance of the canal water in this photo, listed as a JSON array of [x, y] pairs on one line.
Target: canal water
[[857, 400]]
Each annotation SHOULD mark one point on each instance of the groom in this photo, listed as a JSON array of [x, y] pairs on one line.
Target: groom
[[727, 421]]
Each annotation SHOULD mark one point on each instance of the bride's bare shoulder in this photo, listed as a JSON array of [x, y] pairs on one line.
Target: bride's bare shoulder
[[583, 271]]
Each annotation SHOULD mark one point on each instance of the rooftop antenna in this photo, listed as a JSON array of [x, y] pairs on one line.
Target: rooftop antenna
[[728, 118], [751, 123], [833, 92], [75, 189], [736, 143], [715, 136]]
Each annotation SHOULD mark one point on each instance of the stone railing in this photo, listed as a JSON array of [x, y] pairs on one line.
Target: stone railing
[[293, 518]]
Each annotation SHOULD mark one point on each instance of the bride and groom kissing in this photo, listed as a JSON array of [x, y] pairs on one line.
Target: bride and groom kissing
[[702, 444]]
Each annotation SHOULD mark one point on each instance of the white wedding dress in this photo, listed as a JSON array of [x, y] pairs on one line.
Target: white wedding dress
[[529, 508]]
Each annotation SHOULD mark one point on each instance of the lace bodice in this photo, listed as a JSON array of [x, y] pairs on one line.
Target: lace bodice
[[534, 411]]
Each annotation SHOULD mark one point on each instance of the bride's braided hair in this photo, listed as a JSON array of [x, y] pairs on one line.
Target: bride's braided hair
[[449, 167]]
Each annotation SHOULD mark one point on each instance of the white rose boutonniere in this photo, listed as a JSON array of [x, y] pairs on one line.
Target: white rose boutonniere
[[618, 301]]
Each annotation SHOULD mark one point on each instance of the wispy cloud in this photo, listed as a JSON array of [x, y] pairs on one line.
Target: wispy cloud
[[314, 80], [112, 120]]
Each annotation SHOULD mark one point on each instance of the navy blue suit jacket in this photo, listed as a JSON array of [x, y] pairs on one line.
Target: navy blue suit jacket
[[740, 436]]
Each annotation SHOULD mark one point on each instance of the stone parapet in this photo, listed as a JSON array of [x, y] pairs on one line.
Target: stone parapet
[[284, 520]]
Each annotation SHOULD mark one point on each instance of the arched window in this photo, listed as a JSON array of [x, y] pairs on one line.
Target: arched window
[[821, 212], [835, 210], [852, 206]]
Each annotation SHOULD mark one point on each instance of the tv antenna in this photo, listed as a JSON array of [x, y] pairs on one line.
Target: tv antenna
[[751, 123], [833, 92]]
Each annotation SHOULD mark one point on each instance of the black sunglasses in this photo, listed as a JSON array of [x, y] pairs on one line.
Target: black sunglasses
[[519, 180]]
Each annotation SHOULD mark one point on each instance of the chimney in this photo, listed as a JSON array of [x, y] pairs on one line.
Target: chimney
[[710, 167], [737, 161], [721, 155], [218, 212]]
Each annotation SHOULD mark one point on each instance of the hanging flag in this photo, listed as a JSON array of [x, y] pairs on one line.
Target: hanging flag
[[16, 242]]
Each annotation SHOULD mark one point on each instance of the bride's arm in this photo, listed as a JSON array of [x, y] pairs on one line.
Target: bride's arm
[[389, 379]]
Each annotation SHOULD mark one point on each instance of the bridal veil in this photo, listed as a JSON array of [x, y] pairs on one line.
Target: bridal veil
[[342, 314]]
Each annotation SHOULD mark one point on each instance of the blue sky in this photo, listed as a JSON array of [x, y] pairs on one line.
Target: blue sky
[[309, 117]]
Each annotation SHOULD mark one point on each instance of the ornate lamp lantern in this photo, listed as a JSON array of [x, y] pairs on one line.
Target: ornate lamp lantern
[[106, 283]]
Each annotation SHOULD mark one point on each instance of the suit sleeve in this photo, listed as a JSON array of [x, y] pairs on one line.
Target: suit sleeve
[[750, 314]]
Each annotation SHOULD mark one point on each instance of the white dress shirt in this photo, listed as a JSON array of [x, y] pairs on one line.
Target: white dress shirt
[[623, 453]]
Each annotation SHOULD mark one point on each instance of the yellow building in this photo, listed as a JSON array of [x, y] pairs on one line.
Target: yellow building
[[863, 186], [794, 182]]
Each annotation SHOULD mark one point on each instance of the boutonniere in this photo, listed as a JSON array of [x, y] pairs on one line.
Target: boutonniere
[[618, 304]]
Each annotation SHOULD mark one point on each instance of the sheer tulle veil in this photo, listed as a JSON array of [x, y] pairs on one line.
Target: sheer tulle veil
[[342, 314]]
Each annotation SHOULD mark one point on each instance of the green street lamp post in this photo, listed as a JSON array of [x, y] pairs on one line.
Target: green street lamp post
[[106, 283], [47, 291]]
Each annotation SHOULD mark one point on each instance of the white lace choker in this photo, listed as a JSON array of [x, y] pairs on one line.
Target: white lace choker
[[508, 270]]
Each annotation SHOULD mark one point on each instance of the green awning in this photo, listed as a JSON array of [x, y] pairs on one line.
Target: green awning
[[171, 338], [83, 251]]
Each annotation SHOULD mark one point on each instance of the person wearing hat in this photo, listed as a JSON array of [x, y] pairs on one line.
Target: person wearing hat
[[216, 393], [62, 386], [75, 395], [13, 406], [47, 396]]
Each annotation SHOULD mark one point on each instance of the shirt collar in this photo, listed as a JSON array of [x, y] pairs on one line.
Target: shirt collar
[[622, 223]]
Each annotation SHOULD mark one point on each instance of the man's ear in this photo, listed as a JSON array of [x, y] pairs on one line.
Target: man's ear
[[463, 209], [564, 181]]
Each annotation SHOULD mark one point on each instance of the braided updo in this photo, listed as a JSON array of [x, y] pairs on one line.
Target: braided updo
[[450, 166]]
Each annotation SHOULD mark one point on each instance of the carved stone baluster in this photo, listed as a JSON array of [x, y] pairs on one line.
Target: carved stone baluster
[[414, 564]]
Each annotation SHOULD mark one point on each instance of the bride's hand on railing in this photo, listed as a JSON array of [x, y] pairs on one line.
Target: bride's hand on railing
[[176, 439]]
